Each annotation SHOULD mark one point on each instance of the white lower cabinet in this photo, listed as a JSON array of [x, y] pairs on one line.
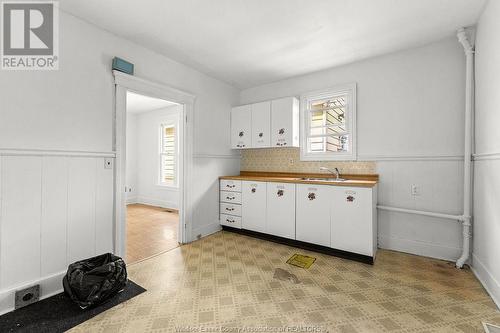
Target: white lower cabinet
[[341, 217], [352, 220], [313, 204], [253, 206], [281, 209]]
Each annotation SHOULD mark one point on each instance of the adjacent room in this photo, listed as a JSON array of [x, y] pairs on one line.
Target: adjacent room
[[152, 177], [250, 166]]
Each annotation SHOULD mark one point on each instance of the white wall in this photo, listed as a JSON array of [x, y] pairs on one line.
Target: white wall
[[72, 110], [410, 120], [143, 176], [486, 249]]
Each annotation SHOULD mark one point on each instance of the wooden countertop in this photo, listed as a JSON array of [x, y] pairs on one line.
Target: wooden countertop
[[281, 177]]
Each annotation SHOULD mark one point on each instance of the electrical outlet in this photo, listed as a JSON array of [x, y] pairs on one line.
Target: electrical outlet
[[27, 296], [415, 190], [108, 163]]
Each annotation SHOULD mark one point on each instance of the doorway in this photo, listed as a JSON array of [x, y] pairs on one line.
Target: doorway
[[123, 84], [152, 175]]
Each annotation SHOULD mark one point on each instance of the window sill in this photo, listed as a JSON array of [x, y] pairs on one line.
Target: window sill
[[325, 158], [168, 186]]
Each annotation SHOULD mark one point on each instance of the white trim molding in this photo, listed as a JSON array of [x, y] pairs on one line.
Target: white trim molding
[[486, 156], [350, 121], [420, 248], [207, 229], [217, 156], [488, 280], [154, 202], [396, 157], [63, 153], [49, 285], [123, 83]]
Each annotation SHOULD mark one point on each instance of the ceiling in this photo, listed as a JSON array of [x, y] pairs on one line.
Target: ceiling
[[252, 42], [139, 103]]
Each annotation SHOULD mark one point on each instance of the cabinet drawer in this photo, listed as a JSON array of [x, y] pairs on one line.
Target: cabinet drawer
[[231, 209], [230, 197], [230, 221], [230, 185]]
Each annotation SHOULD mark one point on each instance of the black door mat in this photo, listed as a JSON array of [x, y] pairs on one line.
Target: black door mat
[[58, 313]]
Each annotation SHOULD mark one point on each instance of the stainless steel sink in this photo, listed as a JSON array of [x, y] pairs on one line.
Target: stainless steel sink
[[333, 180]]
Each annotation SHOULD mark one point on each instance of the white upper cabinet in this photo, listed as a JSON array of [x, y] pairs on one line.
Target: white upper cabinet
[[281, 209], [253, 205], [241, 120], [261, 125], [266, 124], [285, 122], [313, 204]]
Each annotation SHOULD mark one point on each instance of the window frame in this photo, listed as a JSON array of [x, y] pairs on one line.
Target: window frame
[[305, 99], [162, 126]]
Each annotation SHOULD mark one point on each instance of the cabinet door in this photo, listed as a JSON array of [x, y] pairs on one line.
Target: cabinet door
[[253, 206], [351, 220], [313, 213], [261, 125], [281, 209], [285, 122], [241, 120]]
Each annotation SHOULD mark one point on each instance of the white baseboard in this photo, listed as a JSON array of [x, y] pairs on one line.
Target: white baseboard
[[131, 200], [49, 286], [156, 202], [206, 230], [419, 248], [489, 282]]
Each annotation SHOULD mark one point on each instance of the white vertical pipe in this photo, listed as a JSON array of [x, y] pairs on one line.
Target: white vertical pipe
[[466, 221]]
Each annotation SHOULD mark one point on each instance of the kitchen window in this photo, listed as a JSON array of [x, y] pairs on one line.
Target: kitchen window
[[168, 155], [328, 124]]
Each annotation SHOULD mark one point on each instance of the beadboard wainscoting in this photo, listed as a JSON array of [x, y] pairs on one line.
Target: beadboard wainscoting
[[439, 188], [56, 208]]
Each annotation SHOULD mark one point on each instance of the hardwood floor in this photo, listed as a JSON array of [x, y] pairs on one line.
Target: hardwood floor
[[150, 231]]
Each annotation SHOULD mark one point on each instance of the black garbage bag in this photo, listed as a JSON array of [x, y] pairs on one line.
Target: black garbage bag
[[92, 281]]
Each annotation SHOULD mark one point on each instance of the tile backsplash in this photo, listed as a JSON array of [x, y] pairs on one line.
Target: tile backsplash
[[288, 160]]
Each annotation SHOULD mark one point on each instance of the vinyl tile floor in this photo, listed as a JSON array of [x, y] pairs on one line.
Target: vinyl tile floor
[[227, 283], [150, 231]]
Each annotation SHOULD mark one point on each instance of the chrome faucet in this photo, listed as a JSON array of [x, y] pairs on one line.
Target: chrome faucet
[[335, 171]]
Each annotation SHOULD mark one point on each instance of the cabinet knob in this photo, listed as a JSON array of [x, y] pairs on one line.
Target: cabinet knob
[[254, 190], [230, 198], [280, 193], [281, 131], [261, 135], [311, 196], [241, 134], [230, 186], [229, 209], [229, 221]]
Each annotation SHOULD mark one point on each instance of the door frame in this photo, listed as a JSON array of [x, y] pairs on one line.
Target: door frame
[[123, 83]]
